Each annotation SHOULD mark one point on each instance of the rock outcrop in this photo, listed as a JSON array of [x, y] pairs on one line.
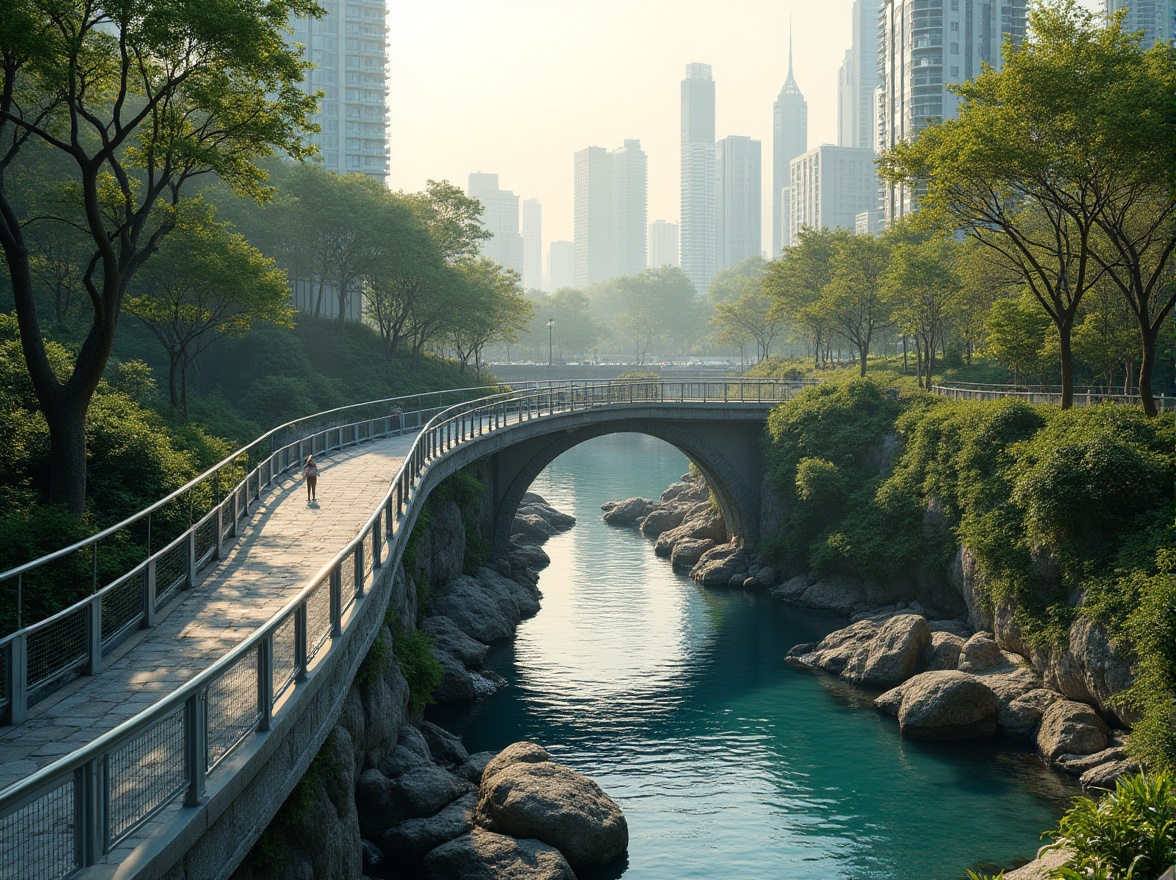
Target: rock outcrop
[[946, 705]]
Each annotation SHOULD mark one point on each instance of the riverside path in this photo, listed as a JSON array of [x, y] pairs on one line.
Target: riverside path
[[280, 549]]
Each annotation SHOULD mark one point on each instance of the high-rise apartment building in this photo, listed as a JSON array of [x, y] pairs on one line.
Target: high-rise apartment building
[[610, 202], [500, 216], [738, 195], [592, 215], [698, 210], [858, 79], [924, 46], [532, 244], [561, 265], [831, 187], [347, 47], [789, 140], [630, 208], [1156, 18], [663, 244]]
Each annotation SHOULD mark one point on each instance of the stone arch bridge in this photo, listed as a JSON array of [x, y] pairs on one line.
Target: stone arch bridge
[[153, 729]]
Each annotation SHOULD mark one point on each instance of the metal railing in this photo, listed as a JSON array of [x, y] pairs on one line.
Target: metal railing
[[69, 814], [175, 539], [1044, 394]]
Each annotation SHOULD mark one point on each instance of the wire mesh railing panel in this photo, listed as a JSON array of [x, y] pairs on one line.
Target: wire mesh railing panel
[[122, 608], [232, 711], [347, 577], [37, 840], [243, 500], [57, 647], [171, 570], [205, 541], [145, 774], [318, 619], [4, 661], [285, 661]]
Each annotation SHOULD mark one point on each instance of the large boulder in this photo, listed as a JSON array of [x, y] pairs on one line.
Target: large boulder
[[718, 565], [446, 748], [416, 793], [456, 685], [834, 651], [523, 597], [524, 556], [947, 705], [1092, 669], [944, 652], [405, 845], [662, 518], [449, 638], [627, 512], [832, 595], [478, 613], [441, 547], [1070, 728], [515, 753], [483, 855], [981, 654], [559, 806], [1020, 717], [536, 505], [531, 526], [687, 552], [702, 522], [893, 655]]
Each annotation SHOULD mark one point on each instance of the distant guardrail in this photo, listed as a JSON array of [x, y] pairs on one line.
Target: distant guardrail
[[68, 815], [1044, 394]]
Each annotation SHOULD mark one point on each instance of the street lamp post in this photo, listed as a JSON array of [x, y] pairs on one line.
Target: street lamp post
[[550, 329]]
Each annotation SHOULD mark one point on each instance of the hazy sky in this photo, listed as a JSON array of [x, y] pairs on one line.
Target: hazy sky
[[518, 86]]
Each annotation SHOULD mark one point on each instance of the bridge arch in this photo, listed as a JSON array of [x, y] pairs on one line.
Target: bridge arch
[[725, 451]]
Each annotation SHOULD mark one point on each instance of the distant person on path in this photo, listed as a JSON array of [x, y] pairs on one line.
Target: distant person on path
[[311, 474], [396, 413]]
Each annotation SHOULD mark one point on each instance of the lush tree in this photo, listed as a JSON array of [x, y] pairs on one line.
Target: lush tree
[[574, 330], [1026, 166], [852, 302], [206, 283], [658, 305], [140, 97], [1107, 339], [1015, 331], [796, 281], [921, 284], [493, 309]]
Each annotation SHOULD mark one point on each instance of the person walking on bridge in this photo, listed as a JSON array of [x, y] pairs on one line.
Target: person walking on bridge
[[311, 474]]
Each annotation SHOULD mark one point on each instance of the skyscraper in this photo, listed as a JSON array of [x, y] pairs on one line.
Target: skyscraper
[[859, 79], [630, 208], [532, 243], [924, 46], [789, 140], [500, 216], [698, 176], [561, 265], [347, 48], [592, 209], [609, 211], [1156, 18], [663, 244], [739, 183]]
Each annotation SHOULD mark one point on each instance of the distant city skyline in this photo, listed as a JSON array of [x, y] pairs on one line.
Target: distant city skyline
[[570, 80]]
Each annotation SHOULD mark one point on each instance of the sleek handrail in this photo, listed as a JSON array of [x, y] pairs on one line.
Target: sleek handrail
[[88, 802], [1044, 394]]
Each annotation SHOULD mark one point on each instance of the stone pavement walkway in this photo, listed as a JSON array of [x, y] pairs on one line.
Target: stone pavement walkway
[[282, 545]]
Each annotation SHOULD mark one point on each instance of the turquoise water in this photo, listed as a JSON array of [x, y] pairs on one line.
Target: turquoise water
[[727, 762]]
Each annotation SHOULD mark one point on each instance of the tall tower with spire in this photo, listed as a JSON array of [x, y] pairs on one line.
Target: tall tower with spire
[[789, 140], [699, 214]]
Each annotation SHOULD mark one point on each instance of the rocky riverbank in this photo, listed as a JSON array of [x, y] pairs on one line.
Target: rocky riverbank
[[392, 795], [935, 654]]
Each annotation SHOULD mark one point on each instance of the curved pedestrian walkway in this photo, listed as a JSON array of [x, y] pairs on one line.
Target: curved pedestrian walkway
[[284, 543]]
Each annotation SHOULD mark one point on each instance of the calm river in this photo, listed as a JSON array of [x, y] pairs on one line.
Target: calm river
[[728, 763]]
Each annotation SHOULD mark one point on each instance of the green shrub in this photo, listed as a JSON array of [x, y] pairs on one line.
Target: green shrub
[[1128, 834], [413, 651]]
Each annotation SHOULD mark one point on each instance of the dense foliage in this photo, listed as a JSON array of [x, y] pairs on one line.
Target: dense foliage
[[1127, 834], [1066, 512]]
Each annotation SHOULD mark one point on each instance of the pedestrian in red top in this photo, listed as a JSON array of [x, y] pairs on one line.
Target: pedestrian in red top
[[311, 474]]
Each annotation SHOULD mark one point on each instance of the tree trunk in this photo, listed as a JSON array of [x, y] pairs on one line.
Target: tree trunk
[[173, 379], [1146, 366], [67, 443], [864, 352], [184, 389], [1067, 364]]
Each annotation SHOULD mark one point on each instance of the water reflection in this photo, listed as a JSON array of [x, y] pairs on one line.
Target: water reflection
[[727, 762]]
